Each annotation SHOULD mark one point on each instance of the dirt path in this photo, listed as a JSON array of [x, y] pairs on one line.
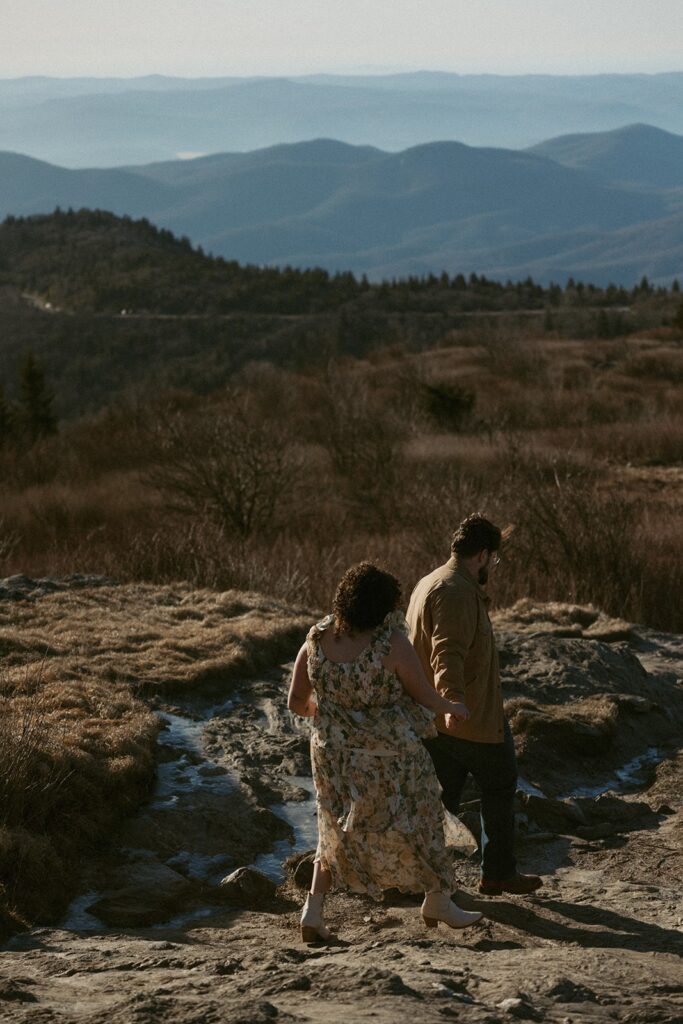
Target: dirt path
[[603, 943]]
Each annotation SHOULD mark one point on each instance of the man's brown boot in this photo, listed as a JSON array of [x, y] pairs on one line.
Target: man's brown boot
[[519, 885]]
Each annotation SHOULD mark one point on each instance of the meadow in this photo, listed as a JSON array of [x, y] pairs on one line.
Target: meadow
[[278, 480]]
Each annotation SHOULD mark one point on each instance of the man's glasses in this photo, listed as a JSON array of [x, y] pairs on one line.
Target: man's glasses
[[494, 560]]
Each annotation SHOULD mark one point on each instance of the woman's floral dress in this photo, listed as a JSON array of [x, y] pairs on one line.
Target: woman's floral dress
[[380, 816]]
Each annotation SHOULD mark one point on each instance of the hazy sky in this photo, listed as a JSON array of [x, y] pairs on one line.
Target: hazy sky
[[245, 37]]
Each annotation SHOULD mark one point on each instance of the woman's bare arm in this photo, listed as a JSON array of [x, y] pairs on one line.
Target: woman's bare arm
[[403, 660], [299, 699]]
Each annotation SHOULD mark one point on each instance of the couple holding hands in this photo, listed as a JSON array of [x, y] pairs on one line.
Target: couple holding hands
[[404, 709]]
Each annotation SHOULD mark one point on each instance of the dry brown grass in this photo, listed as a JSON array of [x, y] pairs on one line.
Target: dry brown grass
[[151, 637], [76, 754], [77, 744]]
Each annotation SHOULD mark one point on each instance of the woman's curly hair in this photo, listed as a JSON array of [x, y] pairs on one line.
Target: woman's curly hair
[[364, 597]]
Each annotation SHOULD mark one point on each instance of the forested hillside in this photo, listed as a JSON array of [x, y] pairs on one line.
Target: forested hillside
[[112, 306]]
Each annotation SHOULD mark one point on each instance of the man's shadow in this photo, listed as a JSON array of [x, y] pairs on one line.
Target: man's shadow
[[613, 930]]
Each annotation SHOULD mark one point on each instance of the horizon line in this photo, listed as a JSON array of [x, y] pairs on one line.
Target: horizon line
[[406, 73]]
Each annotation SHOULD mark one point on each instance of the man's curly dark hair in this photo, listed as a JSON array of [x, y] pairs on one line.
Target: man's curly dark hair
[[364, 596], [474, 534]]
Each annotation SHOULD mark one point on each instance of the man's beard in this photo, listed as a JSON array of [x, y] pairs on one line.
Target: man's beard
[[483, 575]]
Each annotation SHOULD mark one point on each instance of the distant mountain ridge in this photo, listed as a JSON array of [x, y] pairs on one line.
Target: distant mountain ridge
[[440, 206], [636, 154], [107, 122]]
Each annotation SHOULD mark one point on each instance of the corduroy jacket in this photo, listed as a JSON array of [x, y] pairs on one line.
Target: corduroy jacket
[[452, 634]]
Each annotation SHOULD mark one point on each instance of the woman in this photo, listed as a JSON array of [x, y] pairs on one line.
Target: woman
[[380, 817]]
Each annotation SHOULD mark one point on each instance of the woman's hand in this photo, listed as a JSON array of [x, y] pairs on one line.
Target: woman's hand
[[307, 709]]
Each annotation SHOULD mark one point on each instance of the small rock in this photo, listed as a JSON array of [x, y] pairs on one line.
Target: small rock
[[12, 991], [441, 992], [564, 990], [247, 887], [472, 822], [300, 867], [228, 967], [143, 893], [210, 770], [510, 1005], [300, 984], [554, 815], [518, 1007]]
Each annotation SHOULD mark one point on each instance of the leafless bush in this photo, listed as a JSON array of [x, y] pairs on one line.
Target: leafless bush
[[514, 355], [574, 538], [362, 434], [227, 465], [433, 400], [653, 440]]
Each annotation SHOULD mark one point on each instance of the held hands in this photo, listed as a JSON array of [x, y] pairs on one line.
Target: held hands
[[311, 709], [457, 713]]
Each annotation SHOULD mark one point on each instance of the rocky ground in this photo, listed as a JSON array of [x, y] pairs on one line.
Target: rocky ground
[[169, 928]]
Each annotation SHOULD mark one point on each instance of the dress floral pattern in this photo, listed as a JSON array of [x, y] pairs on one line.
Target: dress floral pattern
[[380, 816]]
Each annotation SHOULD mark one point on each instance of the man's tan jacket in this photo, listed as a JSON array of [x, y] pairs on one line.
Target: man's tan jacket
[[451, 632]]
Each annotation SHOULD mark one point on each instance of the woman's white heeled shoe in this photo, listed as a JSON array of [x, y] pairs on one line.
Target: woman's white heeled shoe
[[438, 906], [312, 925]]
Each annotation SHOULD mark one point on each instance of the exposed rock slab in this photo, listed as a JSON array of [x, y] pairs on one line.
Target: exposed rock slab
[[142, 893], [247, 888]]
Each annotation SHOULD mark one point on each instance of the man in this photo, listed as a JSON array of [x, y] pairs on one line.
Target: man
[[451, 631]]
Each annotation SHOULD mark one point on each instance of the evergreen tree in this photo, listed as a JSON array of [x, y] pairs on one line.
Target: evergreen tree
[[36, 400]]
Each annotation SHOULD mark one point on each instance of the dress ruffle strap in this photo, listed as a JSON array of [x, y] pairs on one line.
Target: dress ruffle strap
[[393, 622]]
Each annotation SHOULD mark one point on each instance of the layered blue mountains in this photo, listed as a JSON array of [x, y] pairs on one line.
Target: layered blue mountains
[[104, 122], [601, 206]]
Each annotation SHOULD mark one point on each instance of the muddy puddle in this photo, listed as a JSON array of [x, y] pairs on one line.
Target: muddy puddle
[[192, 780]]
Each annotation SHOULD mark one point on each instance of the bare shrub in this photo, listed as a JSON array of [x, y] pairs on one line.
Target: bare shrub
[[651, 440], [573, 538], [10, 539], [433, 399], [662, 362], [228, 465], [362, 436], [514, 354]]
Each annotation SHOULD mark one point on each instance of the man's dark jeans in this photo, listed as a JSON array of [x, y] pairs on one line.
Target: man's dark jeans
[[494, 768]]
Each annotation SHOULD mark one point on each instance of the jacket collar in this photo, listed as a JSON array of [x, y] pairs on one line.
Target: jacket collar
[[460, 570]]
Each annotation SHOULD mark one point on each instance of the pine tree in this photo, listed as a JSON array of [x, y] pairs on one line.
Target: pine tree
[[36, 400]]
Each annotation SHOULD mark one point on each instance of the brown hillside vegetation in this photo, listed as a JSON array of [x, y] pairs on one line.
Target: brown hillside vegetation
[[279, 481]]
